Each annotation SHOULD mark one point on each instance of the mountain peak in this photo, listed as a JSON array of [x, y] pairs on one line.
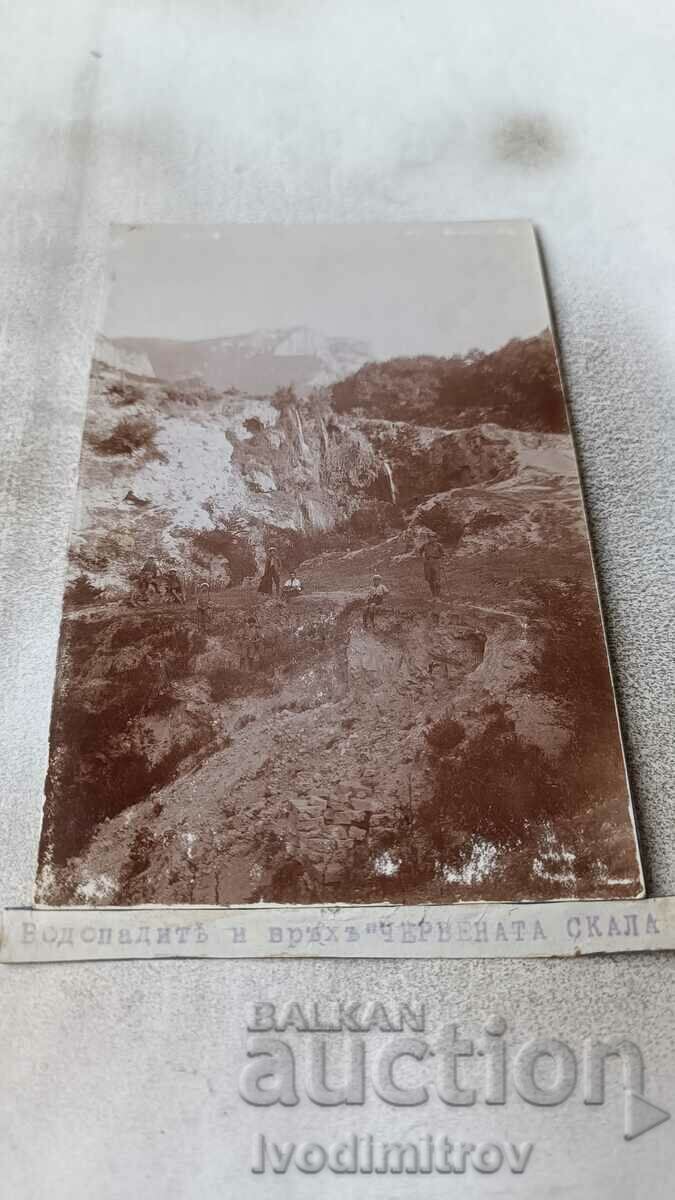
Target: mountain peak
[[257, 362]]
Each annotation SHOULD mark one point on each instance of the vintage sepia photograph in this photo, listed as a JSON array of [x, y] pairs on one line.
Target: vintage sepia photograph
[[331, 630]]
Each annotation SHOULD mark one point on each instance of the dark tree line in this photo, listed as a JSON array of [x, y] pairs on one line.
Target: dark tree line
[[517, 386]]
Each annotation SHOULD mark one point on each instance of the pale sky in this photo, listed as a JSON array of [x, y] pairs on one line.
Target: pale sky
[[404, 288]]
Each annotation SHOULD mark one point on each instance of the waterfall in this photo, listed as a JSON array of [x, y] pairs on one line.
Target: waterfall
[[324, 435], [390, 480], [304, 450]]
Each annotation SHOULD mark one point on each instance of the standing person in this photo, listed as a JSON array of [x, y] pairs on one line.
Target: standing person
[[432, 557], [174, 586], [138, 588], [252, 647], [149, 576], [374, 600], [272, 574]]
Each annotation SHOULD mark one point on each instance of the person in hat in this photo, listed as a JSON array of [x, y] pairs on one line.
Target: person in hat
[[374, 601], [292, 586], [174, 586]]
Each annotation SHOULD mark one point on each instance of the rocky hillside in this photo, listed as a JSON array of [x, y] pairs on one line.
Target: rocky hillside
[[248, 748], [434, 757], [166, 467]]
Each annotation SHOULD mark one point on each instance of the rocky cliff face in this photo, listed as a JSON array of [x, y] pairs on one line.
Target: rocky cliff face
[[163, 464]]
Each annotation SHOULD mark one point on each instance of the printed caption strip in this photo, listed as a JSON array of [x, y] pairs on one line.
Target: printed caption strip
[[563, 929]]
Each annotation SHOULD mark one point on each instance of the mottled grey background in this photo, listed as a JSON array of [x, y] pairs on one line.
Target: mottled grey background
[[120, 1080]]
